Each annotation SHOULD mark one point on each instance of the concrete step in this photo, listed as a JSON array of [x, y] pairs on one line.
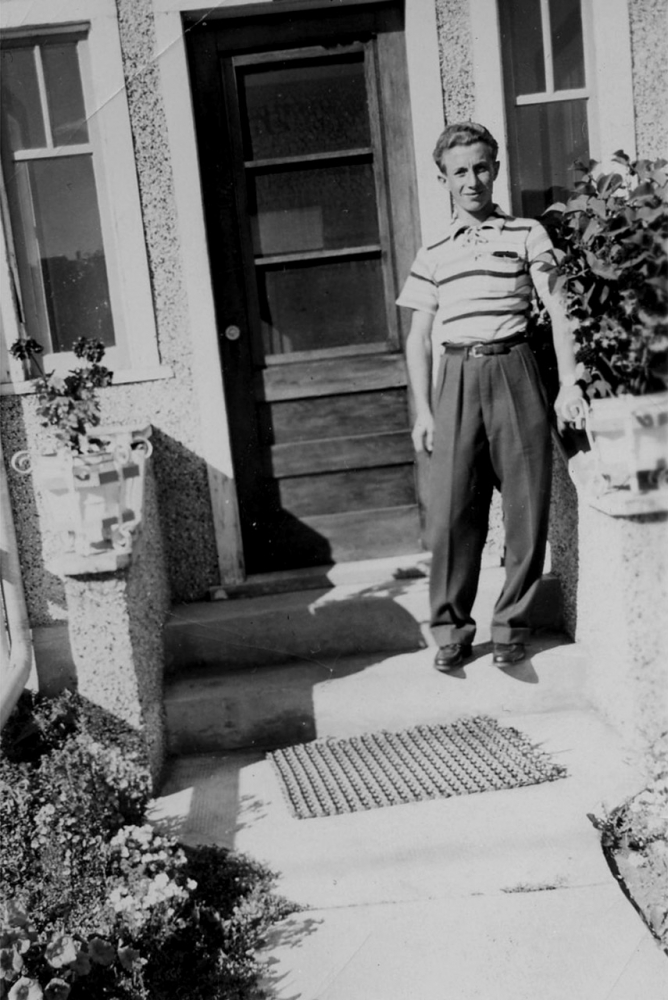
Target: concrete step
[[289, 667], [295, 702], [370, 607]]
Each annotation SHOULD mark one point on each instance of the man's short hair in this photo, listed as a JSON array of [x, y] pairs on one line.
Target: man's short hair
[[464, 134]]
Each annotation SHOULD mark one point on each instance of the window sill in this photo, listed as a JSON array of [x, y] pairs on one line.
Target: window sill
[[124, 377]]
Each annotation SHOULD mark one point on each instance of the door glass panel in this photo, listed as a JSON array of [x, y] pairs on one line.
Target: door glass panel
[[522, 35], [70, 249], [310, 106], [550, 137], [325, 208], [310, 307], [567, 44], [21, 107], [64, 94]]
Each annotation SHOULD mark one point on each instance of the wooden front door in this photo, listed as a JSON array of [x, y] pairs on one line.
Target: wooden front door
[[307, 171]]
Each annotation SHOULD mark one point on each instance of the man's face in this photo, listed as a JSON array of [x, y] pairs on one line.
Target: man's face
[[469, 173]]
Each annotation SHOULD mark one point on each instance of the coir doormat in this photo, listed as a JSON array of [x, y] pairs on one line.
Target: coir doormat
[[328, 777]]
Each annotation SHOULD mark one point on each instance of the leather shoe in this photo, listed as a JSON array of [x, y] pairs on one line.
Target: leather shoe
[[507, 653], [452, 656]]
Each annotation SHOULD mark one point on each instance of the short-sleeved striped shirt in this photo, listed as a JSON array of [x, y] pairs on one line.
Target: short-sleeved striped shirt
[[478, 281]]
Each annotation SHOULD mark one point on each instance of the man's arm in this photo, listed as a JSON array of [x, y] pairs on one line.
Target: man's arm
[[418, 361], [567, 405]]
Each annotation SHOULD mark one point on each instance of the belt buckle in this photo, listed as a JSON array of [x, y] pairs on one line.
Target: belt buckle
[[476, 351]]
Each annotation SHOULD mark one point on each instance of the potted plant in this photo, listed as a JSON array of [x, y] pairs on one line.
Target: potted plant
[[611, 240], [92, 478]]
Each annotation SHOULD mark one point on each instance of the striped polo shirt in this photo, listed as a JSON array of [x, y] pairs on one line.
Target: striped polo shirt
[[478, 281]]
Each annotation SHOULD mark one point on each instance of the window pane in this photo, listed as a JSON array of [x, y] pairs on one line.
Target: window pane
[[550, 137], [567, 44], [522, 43], [307, 307], [64, 94], [304, 107], [325, 208], [22, 117], [70, 249]]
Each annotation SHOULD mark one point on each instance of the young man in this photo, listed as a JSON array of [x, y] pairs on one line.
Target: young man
[[481, 410]]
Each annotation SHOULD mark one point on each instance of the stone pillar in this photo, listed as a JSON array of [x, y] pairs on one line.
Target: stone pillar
[[116, 623], [622, 618]]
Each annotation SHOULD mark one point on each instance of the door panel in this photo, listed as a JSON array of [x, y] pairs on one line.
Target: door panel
[[354, 489], [302, 419], [301, 185]]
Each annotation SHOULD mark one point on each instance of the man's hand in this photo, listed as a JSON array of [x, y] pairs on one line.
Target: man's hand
[[423, 433], [569, 407]]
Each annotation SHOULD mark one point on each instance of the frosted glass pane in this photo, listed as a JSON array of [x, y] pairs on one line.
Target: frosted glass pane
[[303, 107], [550, 138], [310, 307], [567, 44], [64, 94], [22, 119], [522, 43], [325, 208], [71, 253]]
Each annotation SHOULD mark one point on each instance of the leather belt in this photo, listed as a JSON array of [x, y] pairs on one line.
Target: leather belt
[[482, 348]]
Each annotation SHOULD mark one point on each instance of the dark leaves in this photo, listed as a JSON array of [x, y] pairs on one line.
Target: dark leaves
[[612, 235]]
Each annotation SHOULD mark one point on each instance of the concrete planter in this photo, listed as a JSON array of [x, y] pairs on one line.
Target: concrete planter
[[626, 470], [94, 501], [629, 440]]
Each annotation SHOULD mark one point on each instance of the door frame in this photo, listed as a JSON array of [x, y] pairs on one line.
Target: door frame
[[424, 81]]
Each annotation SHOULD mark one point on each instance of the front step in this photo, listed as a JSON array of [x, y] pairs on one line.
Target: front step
[[297, 702], [367, 607], [286, 668]]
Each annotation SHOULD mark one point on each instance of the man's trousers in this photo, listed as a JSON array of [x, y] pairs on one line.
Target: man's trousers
[[491, 430]]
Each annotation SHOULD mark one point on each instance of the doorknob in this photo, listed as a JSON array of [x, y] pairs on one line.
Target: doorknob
[[232, 332]]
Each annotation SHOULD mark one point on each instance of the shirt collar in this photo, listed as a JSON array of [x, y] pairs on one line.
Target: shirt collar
[[495, 220]]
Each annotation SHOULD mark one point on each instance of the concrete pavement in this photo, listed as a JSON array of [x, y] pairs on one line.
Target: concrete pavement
[[503, 895]]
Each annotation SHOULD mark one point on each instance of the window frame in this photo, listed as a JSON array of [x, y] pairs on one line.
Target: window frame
[[608, 55], [135, 356], [549, 96]]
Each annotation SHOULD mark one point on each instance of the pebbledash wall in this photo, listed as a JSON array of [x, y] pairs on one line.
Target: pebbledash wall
[[170, 404]]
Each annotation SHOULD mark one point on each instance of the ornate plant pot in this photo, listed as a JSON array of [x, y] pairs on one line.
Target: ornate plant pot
[[629, 441], [94, 501]]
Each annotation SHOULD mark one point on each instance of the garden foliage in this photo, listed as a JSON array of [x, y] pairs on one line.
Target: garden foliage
[[634, 837], [94, 902], [68, 404], [611, 240]]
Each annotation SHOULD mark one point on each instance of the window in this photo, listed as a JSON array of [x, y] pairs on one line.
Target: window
[[49, 172], [544, 69], [73, 260]]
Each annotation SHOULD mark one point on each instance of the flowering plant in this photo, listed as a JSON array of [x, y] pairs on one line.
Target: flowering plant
[[49, 964], [611, 240], [68, 403], [96, 904]]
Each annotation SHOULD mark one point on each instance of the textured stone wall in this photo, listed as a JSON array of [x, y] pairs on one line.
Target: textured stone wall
[[622, 598], [455, 46], [649, 53], [564, 540], [116, 636], [169, 405]]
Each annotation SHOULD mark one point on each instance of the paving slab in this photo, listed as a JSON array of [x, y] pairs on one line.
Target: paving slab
[[568, 944], [503, 895], [471, 843], [497, 895]]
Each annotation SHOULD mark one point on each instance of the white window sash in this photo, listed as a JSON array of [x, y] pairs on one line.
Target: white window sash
[[135, 356], [555, 97]]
